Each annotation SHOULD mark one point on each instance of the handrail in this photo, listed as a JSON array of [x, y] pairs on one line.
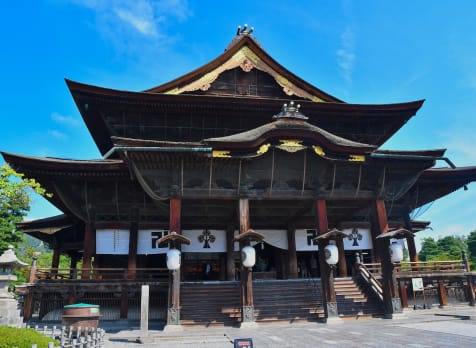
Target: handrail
[[65, 274], [430, 266], [370, 279]]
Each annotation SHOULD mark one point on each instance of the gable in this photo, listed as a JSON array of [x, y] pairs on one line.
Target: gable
[[250, 58], [238, 82]]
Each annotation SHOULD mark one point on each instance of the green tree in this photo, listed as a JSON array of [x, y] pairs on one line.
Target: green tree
[[429, 249], [471, 243], [444, 249], [15, 199]]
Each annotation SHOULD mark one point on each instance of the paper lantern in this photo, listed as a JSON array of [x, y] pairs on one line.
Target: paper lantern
[[248, 256], [173, 259]]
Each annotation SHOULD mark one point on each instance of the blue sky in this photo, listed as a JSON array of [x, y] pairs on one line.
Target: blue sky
[[360, 51]]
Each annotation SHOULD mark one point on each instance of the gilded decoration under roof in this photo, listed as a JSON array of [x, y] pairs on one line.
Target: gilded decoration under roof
[[291, 145], [247, 60]]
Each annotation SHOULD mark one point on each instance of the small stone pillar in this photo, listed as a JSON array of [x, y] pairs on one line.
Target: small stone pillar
[[9, 312]]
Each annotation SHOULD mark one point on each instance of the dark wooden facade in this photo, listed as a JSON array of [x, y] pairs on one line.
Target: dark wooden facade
[[205, 152]]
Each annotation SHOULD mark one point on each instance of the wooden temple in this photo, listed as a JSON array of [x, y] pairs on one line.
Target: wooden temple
[[238, 147]]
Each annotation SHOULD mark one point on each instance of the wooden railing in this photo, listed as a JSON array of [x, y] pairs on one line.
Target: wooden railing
[[430, 267], [370, 279], [100, 274]]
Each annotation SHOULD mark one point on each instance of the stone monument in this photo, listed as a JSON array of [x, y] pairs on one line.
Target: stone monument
[[9, 311]]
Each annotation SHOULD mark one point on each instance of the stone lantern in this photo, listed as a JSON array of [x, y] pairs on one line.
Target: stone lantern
[[9, 312]]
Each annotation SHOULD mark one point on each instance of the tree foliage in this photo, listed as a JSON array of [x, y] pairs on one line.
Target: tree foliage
[[15, 199], [443, 249]]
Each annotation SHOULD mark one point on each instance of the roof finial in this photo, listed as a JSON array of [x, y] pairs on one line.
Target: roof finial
[[291, 111], [244, 30]]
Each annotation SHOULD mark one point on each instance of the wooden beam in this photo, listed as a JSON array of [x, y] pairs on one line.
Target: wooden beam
[[89, 236]]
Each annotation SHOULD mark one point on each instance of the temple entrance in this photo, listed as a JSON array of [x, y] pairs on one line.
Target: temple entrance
[[270, 262], [308, 264], [203, 266]]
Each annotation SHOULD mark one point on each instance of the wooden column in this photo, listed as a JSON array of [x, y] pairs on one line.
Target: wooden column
[[230, 253], [411, 241], [246, 275], [391, 302], [442, 294], [89, 236], [327, 277], [132, 259], [173, 315], [412, 249], [55, 263], [124, 303], [72, 266], [403, 293], [292, 255], [342, 260]]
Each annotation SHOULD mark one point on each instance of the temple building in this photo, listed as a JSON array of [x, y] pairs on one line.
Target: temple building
[[237, 153]]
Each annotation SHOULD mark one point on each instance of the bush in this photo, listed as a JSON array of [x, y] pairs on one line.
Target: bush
[[23, 338]]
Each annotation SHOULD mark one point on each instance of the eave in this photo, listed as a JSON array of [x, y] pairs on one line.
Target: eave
[[338, 118]]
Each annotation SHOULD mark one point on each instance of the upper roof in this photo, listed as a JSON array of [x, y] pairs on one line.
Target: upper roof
[[165, 117]]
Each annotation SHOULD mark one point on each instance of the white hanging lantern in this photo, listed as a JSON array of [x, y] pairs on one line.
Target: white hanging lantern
[[173, 259], [332, 254], [396, 252], [248, 256]]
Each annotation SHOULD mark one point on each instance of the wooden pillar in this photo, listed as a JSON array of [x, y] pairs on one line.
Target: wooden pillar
[[391, 301], [89, 236], [230, 253], [173, 315], [132, 259], [246, 275], [442, 293], [292, 255], [55, 263], [342, 260], [411, 241], [72, 266], [403, 293], [71, 295], [124, 303], [412, 249], [28, 305], [327, 274]]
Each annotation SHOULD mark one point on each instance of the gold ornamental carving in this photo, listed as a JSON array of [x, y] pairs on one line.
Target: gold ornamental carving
[[247, 60], [291, 145], [221, 154]]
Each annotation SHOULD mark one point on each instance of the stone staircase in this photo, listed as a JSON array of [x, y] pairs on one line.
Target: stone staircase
[[210, 303], [292, 300], [353, 302]]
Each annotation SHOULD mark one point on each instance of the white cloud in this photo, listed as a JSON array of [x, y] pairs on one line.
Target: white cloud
[[57, 134], [63, 119], [144, 23], [117, 17], [346, 55]]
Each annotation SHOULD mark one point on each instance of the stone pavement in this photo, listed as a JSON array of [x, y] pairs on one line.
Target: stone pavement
[[449, 327]]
